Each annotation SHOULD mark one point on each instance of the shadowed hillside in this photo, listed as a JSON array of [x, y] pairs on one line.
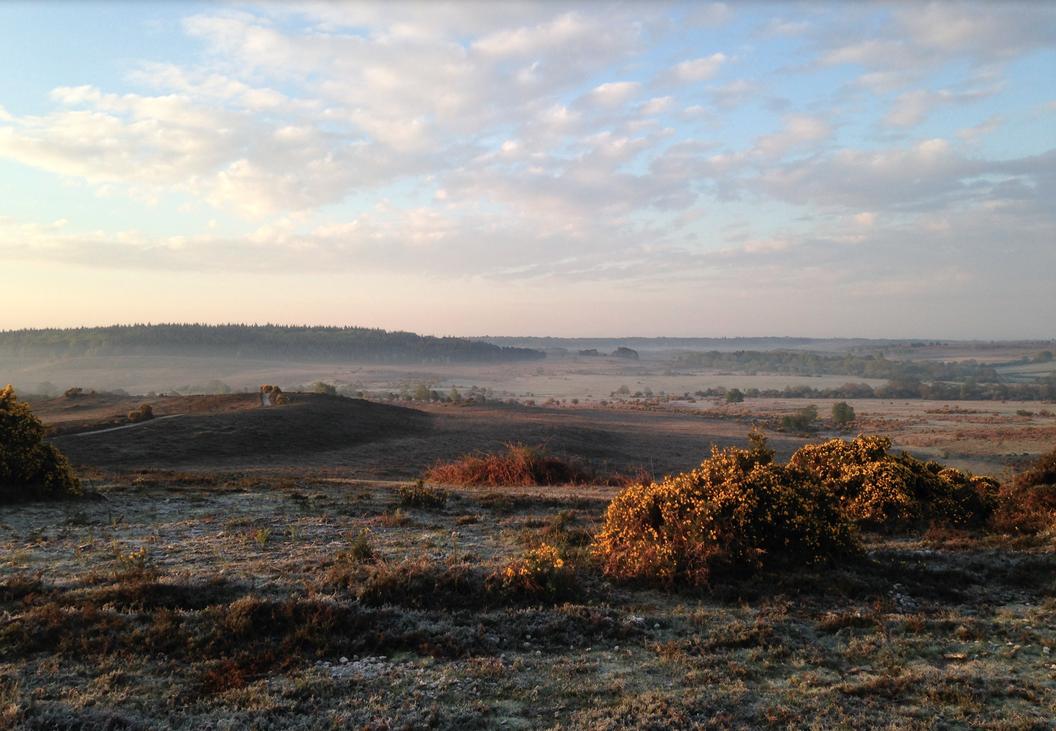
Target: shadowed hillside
[[309, 424]]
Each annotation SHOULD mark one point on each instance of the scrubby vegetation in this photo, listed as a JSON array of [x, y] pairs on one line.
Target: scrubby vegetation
[[738, 510], [877, 489], [519, 465], [1027, 504], [29, 467], [803, 420], [173, 616], [842, 413], [422, 496]]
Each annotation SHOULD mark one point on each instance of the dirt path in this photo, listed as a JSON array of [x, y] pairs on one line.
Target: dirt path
[[124, 426]]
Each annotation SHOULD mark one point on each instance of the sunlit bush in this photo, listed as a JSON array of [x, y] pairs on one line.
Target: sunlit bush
[[880, 490], [1027, 503], [29, 467], [737, 510], [539, 573]]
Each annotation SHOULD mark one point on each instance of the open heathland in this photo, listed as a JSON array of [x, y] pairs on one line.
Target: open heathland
[[220, 600]]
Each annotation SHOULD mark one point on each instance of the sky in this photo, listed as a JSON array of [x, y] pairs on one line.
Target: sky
[[577, 169]]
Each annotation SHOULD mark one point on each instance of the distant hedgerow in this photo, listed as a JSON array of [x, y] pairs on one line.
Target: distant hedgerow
[[30, 468]]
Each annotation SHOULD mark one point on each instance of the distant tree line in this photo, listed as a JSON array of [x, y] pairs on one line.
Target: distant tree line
[[257, 341], [1042, 390], [863, 366]]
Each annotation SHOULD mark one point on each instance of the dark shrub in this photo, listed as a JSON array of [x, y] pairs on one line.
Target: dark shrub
[[1027, 504], [29, 467]]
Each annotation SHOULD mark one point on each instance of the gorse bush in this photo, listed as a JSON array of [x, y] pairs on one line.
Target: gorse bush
[[29, 467], [736, 511], [877, 489], [1027, 504], [540, 573], [740, 511]]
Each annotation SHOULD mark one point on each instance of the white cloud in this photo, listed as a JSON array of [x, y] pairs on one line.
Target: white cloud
[[913, 107], [799, 130], [613, 93], [699, 69], [528, 141], [984, 128]]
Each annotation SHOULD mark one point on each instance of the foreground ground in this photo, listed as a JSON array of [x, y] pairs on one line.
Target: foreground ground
[[220, 600]]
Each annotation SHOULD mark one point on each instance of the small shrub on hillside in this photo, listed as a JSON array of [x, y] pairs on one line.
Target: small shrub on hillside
[[519, 465], [421, 496], [29, 466], [842, 413], [803, 420], [144, 413], [737, 510], [881, 490], [540, 573], [1027, 504]]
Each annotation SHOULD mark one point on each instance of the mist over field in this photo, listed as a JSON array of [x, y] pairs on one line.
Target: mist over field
[[527, 365]]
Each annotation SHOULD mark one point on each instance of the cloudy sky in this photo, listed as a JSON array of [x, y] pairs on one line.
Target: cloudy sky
[[542, 168]]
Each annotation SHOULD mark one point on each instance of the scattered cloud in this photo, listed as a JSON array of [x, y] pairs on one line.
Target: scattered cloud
[[574, 142], [699, 69]]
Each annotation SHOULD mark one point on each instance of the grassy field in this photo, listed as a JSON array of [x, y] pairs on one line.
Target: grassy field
[[221, 601]]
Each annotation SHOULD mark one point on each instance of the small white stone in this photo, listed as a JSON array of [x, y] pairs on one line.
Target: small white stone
[[344, 660]]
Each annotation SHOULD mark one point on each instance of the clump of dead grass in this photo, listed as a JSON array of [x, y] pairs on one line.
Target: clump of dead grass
[[518, 466]]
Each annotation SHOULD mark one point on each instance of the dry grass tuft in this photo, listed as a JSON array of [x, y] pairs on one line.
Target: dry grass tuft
[[518, 466]]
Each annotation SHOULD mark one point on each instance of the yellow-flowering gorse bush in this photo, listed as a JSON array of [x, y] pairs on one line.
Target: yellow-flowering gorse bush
[[539, 572], [737, 510], [881, 490]]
